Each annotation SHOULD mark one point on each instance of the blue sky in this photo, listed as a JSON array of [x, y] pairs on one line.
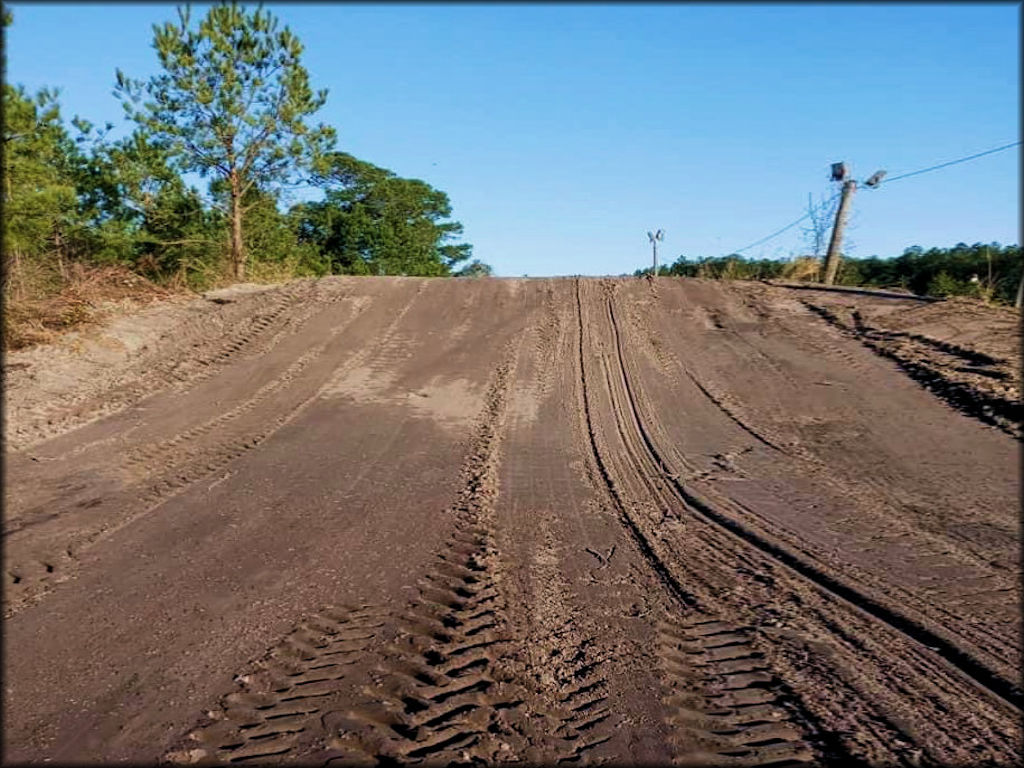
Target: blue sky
[[562, 133]]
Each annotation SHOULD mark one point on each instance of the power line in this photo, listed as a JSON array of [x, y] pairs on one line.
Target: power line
[[787, 227], [886, 181], [951, 162]]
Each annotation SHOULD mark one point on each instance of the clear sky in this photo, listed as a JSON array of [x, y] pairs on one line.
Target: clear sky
[[563, 133]]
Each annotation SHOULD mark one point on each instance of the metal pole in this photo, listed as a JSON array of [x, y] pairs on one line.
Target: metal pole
[[654, 237]]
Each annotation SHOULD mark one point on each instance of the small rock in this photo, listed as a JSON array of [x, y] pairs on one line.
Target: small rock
[[187, 756]]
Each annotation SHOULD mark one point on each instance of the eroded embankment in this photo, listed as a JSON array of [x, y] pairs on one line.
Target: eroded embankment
[[974, 383]]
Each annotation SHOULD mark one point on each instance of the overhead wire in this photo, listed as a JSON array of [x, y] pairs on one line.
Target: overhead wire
[[881, 183], [788, 226], [951, 162]]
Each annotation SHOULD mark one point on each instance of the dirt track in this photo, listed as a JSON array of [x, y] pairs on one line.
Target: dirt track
[[532, 521]]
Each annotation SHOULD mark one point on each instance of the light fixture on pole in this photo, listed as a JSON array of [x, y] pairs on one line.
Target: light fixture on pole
[[875, 179], [841, 173], [654, 238]]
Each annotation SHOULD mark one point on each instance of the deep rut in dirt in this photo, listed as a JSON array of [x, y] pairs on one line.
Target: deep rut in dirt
[[648, 476], [1008, 690], [968, 381]]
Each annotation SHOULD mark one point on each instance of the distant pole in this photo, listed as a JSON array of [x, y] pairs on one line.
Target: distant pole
[[832, 259], [654, 238], [1020, 292]]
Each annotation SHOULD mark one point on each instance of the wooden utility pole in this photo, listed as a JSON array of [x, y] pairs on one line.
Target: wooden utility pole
[[832, 259]]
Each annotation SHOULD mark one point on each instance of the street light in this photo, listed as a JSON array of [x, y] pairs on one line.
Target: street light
[[659, 235], [841, 173], [875, 179]]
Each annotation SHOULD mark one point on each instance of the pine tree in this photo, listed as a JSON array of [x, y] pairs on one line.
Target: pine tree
[[40, 202], [232, 102]]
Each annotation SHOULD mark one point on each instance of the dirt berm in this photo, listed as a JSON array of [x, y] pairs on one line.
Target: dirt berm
[[447, 521]]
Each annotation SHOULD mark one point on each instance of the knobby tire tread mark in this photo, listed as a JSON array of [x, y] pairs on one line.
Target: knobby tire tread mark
[[1009, 692], [437, 690], [287, 693], [739, 712], [679, 669]]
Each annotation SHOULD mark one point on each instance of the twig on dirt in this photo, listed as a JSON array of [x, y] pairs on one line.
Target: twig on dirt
[[604, 560]]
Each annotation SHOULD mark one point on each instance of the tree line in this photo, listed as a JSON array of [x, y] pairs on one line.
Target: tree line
[[232, 105], [987, 271]]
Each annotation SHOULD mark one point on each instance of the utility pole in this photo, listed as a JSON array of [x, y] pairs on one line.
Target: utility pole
[[841, 173], [832, 259], [1020, 292], [654, 238]]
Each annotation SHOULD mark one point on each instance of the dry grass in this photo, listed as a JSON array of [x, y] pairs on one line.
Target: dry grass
[[87, 295], [802, 268], [269, 272]]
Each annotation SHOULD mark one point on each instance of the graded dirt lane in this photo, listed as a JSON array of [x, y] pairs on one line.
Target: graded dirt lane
[[436, 521]]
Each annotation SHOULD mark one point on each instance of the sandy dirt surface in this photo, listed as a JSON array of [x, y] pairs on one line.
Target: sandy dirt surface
[[434, 521]]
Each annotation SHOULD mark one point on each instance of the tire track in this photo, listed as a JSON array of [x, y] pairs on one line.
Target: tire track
[[190, 365], [446, 692], [583, 706], [924, 638], [431, 685], [286, 693], [162, 454], [737, 712], [718, 543], [888, 536], [240, 341], [642, 542], [215, 458], [668, 361], [681, 672], [447, 635], [439, 694], [443, 692], [974, 391], [195, 466], [546, 345], [563, 646]]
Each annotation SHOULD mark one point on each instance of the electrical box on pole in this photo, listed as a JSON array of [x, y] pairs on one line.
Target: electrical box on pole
[[841, 173]]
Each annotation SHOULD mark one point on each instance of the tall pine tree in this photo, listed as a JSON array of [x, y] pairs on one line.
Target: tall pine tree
[[232, 102]]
